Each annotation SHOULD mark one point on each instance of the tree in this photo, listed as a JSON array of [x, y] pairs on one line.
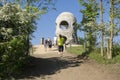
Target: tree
[[17, 22], [113, 28], [102, 28], [89, 21], [33, 6], [109, 56], [117, 17], [76, 28], [13, 30]]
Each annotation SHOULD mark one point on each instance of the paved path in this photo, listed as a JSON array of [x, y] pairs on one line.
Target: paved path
[[48, 65]]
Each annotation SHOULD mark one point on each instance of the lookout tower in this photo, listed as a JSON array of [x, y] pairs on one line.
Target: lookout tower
[[65, 26]]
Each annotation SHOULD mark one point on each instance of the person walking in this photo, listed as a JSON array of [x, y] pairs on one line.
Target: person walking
[[60, 42], [46, 44], [55, 41], [49, 43]]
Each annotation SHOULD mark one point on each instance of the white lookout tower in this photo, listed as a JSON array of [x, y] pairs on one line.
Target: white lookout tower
[[65, 26]]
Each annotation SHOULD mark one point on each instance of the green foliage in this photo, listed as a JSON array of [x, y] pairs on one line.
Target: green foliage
[[116, 49], [117, 9], [12, 57], [81, 41], [42, 5], [90, 13], [15, 24], [15, 21]]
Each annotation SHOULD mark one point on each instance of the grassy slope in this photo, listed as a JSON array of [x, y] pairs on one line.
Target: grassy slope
[[75, 50], [94, 55]]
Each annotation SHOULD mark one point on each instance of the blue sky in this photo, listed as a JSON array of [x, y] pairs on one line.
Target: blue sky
[[46, 23]]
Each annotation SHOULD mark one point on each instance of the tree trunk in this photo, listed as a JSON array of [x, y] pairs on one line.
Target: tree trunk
[[111, 27], [85, 42], [108, 48], [28, 41], [75, 37], [102, 28]]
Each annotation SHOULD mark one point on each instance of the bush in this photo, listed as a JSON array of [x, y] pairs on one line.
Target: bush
[[116, 49], [12, 57], [15, 25]]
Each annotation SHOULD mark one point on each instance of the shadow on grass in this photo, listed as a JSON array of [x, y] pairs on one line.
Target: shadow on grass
[[83, 56], [39, 67]]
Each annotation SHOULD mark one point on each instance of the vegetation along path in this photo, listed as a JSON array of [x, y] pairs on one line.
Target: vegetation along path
[[50, 66]]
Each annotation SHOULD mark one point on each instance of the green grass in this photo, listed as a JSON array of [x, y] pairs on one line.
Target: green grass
[[95, 55], [99, 59], [75, 50]]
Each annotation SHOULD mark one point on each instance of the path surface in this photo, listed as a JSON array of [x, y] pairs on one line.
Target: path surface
[[50, 66]]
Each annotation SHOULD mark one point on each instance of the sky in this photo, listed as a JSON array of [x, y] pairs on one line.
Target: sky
[[46, 23]]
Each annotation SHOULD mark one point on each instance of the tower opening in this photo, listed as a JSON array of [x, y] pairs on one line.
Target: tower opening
[[64, 25]]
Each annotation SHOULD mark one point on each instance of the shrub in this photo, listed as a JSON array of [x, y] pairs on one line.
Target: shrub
[[116, 49], [12, 57]]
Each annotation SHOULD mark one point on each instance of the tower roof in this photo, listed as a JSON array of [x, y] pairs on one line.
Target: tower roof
[[65, 16]]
